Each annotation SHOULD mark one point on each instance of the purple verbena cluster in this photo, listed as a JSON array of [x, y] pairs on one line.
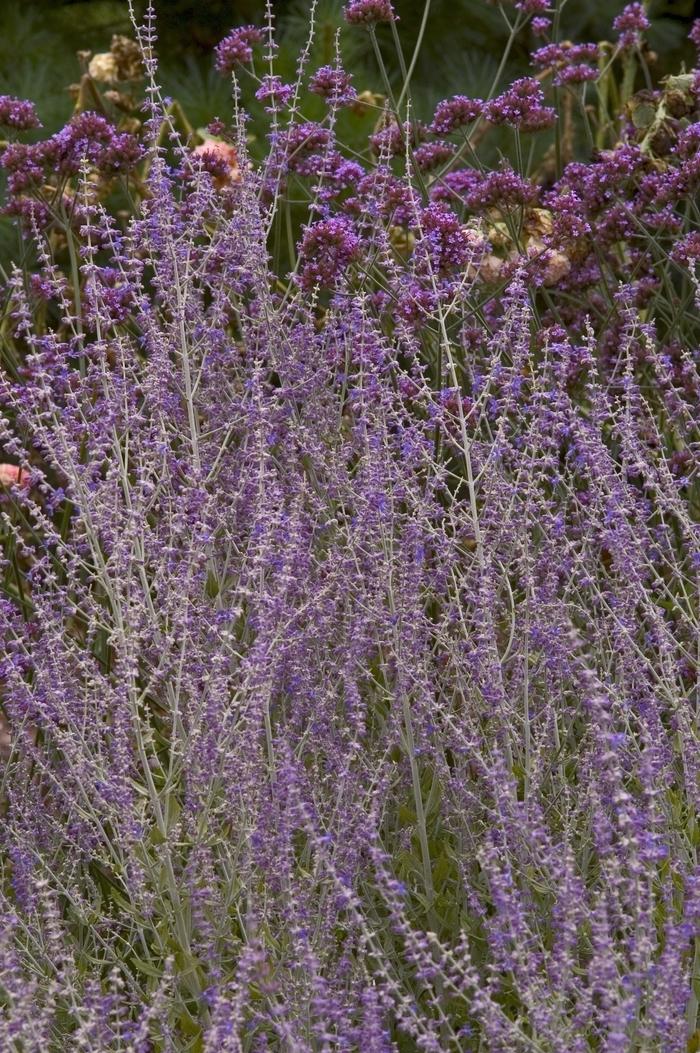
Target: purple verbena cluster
[[88, 138], [18, 114], [369, 12], [454, 113], [569, 63], [274, 92], [327, 249], [630, 24], [522, 106], [236, 49], [334, 85]]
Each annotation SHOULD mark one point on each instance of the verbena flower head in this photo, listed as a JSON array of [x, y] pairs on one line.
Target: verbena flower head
[[275, 92], [334, 85], [687, 250], [569, 63], [91, 137], [630, 24], [301, 148], [454, 113], [432, 155], [19, 114], [533, 7], [368, 12], [541, 26], [327, 249], [220, 159], [449, 242], [521, 106], [88, 138], [393, 137], [236, 49]]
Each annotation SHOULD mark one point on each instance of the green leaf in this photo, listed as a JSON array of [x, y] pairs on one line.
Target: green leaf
[[155, 837], [120, 900], [407, 817], [189, 1026], [146, 967], [442, 870]]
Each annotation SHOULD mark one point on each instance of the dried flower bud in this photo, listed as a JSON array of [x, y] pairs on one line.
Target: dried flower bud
[[367, 100], [120, 101], [491, 267], [127, 56], [557, 267], [103, 68]]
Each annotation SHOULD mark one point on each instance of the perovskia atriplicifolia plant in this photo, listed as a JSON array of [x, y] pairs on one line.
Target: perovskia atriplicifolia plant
[[351, 554]]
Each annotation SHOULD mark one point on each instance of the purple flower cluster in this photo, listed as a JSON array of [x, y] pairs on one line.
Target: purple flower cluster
[[540, 26], [455, 113], [275, 92], [522, 106], [369, 12], [533, 7], [302, 148], [327, 249], [88, 139], [433, 155], [448, 241], [334, 85], [502, 188], [18, 114], [687, 250], [569, 63], [630, 24], [393, 138], [237, 48]]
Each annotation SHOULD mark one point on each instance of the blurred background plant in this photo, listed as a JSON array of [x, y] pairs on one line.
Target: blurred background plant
[[42, 40], [460, 53]]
